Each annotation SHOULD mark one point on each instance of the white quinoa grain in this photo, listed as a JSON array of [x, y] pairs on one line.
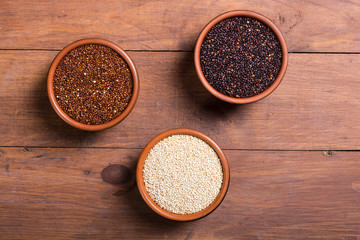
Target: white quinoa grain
[[182, 174]]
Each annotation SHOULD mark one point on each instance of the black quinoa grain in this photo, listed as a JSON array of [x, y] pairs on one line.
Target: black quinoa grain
[[240, 57], [93, 84]]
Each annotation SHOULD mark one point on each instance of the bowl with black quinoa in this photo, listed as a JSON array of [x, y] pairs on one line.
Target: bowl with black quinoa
[[240, 57], [92, 84]]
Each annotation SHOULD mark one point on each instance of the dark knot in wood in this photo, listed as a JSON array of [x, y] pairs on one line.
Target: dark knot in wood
[[116, 174]]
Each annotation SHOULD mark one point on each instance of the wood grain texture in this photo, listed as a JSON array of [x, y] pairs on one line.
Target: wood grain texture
[[316, 107], [52, 179], [59, 194], [327, 25]]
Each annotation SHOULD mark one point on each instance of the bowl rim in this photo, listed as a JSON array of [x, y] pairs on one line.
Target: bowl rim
[[264, 20], [173, 216], [51, 93]]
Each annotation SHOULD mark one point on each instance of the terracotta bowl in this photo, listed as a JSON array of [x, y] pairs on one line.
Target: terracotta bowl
[[260, 18], [179, 217], [55, 104]]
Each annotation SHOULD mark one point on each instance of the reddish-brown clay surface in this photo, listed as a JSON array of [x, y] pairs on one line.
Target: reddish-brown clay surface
[[157, 208], [262, 19], [63, 115]]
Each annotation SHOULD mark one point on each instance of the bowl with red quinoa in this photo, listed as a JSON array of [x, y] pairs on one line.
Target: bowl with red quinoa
[[92, 84], [240, 57], [182, 174]]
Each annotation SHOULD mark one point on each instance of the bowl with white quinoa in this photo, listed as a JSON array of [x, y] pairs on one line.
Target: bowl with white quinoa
[[182, 174]]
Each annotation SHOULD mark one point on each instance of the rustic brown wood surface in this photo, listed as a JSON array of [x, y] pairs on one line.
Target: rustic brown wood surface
[[315, 107], [294, 156], [327, 25], [58, 193]]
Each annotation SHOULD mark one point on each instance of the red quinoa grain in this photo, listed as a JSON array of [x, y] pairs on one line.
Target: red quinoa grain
[[93, 84]]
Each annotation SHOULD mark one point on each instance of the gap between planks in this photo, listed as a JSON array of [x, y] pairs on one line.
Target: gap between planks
[[159, 51], [225, 149]]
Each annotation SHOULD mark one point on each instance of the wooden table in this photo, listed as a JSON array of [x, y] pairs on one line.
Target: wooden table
[[294, 156]]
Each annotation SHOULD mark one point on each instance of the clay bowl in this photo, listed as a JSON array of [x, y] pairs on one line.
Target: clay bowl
[[55, 104], [265, 21], [178, 217]]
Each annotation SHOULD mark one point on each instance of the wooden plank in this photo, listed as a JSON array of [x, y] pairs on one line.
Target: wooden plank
[[316, 106], [327, 25], [49, 193]]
